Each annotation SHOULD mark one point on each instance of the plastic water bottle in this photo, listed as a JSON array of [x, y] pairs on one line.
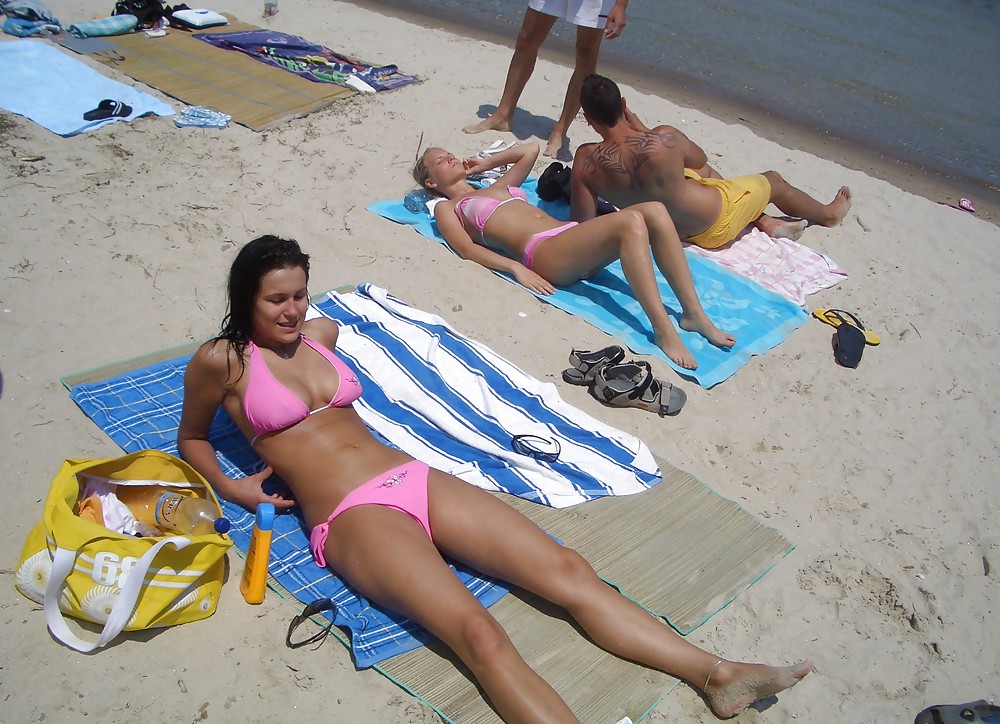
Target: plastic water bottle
[[172, 512]]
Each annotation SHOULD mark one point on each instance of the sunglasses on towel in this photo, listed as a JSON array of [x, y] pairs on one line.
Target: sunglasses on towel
[[543, 449], [312, 609]]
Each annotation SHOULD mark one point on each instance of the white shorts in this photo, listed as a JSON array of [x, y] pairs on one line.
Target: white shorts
[[585, 13]]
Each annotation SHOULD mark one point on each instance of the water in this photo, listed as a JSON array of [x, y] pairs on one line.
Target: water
[[918, 80]]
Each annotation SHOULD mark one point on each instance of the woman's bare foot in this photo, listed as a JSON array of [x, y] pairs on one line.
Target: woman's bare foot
[[493, 123], [734, 686], [672, 346], [839, 207], [703, 326], [780, 228]]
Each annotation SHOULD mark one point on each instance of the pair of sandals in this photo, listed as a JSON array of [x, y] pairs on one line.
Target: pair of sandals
[[623, 384], [850, 338]]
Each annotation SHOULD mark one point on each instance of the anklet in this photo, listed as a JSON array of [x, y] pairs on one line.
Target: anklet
[[710, 674]]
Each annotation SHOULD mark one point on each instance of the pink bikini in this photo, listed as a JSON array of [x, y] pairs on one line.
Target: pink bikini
[[269, 406], [477, 210]]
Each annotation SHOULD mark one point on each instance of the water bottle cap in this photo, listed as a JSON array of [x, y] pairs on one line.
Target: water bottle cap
[[222, 525]]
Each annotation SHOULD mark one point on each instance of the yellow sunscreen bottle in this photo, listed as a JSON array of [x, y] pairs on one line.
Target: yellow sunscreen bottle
[[254, 581]]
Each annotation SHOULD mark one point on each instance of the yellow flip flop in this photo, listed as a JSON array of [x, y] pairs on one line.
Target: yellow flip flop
[[837, 317]]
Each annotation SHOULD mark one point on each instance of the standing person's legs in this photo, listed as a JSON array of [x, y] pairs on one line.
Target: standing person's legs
[[795, 202], [534, 29], [588, 47], [478, 529]]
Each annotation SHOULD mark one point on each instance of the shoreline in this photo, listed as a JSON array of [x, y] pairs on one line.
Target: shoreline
[[851, 153]]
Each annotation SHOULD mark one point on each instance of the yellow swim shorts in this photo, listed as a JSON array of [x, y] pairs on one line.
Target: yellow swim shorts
[[744, 198]]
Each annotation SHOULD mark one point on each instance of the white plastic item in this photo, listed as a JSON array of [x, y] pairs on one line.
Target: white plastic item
[[199, 18]]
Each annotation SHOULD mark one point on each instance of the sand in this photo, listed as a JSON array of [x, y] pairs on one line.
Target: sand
[[117, 244]]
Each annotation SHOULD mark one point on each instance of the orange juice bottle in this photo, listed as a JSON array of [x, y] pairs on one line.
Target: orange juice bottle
[[254, 581]]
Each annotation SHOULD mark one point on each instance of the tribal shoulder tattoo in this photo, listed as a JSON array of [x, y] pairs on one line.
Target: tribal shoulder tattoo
[[625, 157]]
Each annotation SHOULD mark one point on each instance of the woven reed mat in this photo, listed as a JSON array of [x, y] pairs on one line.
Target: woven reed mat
[[678, 549], [255, 94]]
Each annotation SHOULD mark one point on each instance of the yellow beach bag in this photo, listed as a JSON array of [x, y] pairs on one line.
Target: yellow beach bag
[[79, 568]]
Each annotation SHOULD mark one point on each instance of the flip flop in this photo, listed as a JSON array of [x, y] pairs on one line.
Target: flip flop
[[632, 384], [975, 711], [838, 317], [586, 363], [108, 108]]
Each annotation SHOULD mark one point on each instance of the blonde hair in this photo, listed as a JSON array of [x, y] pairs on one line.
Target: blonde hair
[[420, 171]]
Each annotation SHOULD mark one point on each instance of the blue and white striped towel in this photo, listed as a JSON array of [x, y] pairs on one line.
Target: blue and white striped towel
[[455, 404]]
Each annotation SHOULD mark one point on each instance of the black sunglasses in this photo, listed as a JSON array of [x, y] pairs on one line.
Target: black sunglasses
[[312, 609], [543, 449]]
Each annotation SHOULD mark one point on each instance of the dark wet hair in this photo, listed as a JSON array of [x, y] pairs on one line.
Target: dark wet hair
[[601, 100], [259, 257]]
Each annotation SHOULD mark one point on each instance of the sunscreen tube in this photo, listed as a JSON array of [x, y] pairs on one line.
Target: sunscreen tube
[[254, 581]]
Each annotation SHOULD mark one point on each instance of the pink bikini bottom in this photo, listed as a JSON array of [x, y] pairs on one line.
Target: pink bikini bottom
[[403, 488], [529, 251]]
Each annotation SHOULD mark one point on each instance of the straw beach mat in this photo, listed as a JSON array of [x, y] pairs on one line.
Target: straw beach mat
[[679, 549], [255, 94]]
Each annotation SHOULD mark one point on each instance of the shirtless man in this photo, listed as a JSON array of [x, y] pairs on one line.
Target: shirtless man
[[635, 164]]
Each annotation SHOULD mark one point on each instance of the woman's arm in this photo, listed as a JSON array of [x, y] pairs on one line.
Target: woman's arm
[[204, 389], [523, 156], [463, 245]]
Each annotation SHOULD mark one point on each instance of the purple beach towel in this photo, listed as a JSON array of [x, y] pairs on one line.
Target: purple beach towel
[[308, 60]]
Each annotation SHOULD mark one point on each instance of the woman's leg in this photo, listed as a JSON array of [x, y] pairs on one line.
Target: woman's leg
[[387, 557], [478, 529], [579, 252], [672, 263]]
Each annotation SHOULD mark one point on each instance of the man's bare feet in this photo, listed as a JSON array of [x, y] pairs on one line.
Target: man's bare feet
[[703, 326], [493, 123], [839, 207], [674, 348], [735, 686], [782, 229]]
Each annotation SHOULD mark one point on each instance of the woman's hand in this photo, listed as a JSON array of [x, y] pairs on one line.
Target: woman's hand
[[248, 492], [530, 280], [477, 165]]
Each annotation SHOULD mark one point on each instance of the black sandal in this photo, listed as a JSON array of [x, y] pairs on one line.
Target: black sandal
[[586, 364]]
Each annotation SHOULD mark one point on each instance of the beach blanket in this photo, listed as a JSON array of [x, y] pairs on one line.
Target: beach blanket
[[783, 266], [141, 408], [758, 318], [307, 60], [255, 95], [54, 90]]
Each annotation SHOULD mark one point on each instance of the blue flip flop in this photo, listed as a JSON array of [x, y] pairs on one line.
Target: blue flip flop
[[975, 711]]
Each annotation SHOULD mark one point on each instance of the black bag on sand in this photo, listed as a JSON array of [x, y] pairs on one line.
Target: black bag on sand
[[149, 12], [555, 183]]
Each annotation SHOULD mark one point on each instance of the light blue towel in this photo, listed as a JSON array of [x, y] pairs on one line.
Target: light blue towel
[[759, 319], [54, 90], [447, 421]]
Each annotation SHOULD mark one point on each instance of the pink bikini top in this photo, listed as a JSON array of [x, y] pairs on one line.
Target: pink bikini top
[[270, 406], [477, 210]]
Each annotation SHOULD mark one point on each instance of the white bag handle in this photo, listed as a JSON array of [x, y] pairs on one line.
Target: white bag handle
[[62, 566]]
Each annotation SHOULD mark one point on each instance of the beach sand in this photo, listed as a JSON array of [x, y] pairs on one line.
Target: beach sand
[[117, 244]]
